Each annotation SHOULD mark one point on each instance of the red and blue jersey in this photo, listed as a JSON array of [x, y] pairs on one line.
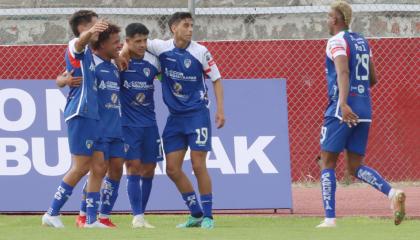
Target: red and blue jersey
[[357, 50], [81, 101]]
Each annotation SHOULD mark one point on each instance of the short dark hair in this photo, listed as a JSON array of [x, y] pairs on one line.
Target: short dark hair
[[105, 35], [177, 17], [80, 17], [136, 28]]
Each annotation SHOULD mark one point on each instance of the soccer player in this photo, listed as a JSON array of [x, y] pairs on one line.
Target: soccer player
[[185, 63], [109, 150], [140, 129], [350, 74], [81, 111]]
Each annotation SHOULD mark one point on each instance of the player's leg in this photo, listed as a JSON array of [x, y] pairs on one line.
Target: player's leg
[[175, 145], [98, 170], [333, 139], [81, 133], [356, 148], [152, 153], [111, 182], [81, 218], [199, 140]]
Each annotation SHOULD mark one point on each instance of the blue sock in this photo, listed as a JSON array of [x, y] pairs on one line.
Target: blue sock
[[134, 194], [207, 203], [372, 177], [192, 204], [63, 193], [146, 188], [92, 203], [328, 185], [109, 195], [83, 202]]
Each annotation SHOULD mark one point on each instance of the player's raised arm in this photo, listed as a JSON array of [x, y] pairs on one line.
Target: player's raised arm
[[89, 35], [341, 63]]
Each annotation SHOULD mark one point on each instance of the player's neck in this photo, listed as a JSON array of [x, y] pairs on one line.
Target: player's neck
[[102, 56], [136, 56], [340, 29], [181, 43]]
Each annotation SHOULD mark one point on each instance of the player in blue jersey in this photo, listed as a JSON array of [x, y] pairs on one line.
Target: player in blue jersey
[[81, 111], [185, 65], [350, 74], [108, 148], [140, 129]]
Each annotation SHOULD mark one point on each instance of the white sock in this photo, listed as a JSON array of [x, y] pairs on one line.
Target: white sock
[[103, 215], [139, 216], [391, 193], [81, 213], [329, 220]]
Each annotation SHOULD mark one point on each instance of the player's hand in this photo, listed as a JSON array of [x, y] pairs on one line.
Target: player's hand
[[349, 117], [99, 27], [220, 119], [122, 63], [71, 81]]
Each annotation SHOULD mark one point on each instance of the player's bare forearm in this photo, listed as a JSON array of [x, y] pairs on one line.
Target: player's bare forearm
[[220, 112], [372, 74], [85, 37]]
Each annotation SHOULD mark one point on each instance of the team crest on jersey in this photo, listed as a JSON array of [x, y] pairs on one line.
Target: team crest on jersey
[[114, 98], [102, 85], [89, 144], [140, 98], [177, 88], [146, 71], [187, 63]]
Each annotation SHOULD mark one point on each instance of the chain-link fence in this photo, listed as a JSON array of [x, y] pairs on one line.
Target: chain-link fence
[[252, 40]]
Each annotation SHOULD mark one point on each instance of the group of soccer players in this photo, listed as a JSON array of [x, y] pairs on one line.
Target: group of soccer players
[[111, 117]]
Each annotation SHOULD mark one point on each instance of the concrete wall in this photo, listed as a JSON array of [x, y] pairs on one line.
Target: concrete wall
[[54, 28]]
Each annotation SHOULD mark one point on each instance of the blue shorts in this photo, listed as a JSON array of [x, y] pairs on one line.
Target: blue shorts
[[81, 134], [111, 147], [192, 131], [143, 143], [336, 136]]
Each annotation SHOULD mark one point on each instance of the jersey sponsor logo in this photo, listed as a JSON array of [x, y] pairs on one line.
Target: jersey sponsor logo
[[126, 147], [92, 67], [177, 88], [361, 89], [179, 76], [109, 85], [146, 71], [114, 102], [102, 85], [187, 63]]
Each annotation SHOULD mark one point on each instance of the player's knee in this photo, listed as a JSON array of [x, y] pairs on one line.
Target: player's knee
[[173, 171], [115, 172], [99, 169], [148, 170], [199, 168], [133, 167]]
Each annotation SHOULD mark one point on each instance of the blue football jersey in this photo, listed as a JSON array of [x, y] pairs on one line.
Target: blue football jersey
[[81, 101], [108, 78], [137, 89], [356, 48], [183, 75]]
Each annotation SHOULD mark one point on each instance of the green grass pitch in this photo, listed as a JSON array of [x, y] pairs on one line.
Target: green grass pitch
[[227, 227]]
